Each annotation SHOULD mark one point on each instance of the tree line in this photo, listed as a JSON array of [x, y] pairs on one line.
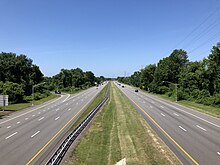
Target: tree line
[[197, 81], [18, 75]]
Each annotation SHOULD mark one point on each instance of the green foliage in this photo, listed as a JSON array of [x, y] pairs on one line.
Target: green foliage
[[197, 81], [20, 70], [14, 91], [73, 80]]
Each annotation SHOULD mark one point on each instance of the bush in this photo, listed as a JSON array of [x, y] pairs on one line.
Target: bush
[[27, 98], [163, 89]]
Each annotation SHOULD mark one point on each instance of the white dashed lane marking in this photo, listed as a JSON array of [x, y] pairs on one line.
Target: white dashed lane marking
[[69, 109], [18, 122], [162, 114], [35, 134], [11, 135], [161, 106], [218, 153], [39, 113], [201, 128], [9, 126], [182, 128], [26, 118], [41, 119], [33, 115], [176, 114], [57, 118]]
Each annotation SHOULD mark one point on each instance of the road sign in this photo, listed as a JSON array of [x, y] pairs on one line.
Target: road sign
[[3, 100]]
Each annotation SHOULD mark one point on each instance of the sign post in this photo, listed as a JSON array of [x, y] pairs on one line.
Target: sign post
[[3, 101]]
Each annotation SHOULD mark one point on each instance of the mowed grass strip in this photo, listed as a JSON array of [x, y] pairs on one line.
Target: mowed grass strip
[[118, 132]]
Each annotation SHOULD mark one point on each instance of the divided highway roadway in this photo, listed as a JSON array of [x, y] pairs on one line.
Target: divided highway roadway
[[30, 136], [194, 137]]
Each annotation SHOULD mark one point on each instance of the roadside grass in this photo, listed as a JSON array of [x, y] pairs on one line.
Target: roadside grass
[[210, 110], [16, 107], [118, 132], [95, 102]]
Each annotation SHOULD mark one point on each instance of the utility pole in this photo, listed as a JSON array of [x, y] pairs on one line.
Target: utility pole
[[33, 91], [175, 87]]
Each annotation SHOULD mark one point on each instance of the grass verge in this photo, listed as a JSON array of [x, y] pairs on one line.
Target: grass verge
[[120, 132]]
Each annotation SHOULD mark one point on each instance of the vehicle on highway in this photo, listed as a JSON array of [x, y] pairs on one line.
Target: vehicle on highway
[[136, 90], [57, 92], [122, 86]]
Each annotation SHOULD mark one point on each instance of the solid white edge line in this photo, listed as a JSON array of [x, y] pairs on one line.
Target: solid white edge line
[[182, 128], [168, 104], [35, 134], [66, 98], [201, 128], [11, 135]]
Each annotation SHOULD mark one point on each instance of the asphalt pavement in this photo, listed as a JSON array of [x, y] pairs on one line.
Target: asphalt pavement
[[193, 136], [30, 136]]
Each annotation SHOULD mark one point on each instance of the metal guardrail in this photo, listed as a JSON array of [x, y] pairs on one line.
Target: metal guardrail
[[62, 149]]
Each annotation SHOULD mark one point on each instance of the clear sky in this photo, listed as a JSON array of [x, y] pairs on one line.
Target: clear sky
[[108, 37]]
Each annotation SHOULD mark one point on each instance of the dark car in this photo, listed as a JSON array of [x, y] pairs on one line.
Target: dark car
[[136, 90], [57, 92], [122, 86]]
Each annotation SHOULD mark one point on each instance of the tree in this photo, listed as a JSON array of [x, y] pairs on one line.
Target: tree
[[20, 70], [14, 91], [147, 75], [213, 68]]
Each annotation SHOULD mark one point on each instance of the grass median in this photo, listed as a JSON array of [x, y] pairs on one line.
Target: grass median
[[120, 132]]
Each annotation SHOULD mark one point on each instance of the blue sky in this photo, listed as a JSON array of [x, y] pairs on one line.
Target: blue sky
[[108, 37]]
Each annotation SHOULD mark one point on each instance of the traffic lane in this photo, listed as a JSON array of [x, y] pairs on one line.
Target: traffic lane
[[6, 127], [202, 119], [201, 116], [42, 156], [170, 111], [18, 114], [197, 123], [204, 142], [50, 104], [195, 140], [39, 115], [33, 132]]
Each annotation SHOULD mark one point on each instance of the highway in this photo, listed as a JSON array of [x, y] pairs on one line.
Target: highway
[[193, 136], [30, 136]]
